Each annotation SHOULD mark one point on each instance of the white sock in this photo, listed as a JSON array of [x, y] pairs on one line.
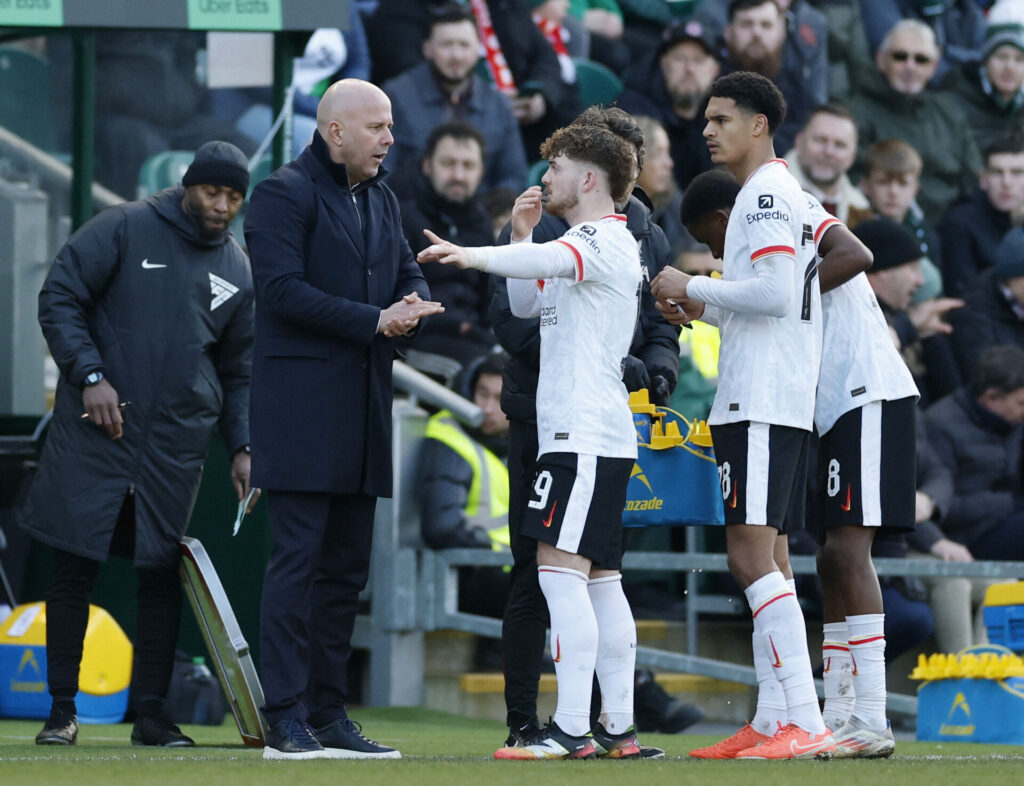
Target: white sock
[[771, 699], [780, 623], [573, 644], [867, 653], [837, 675], [616, 652]]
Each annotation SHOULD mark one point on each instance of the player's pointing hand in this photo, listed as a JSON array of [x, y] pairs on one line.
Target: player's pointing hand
[[443, 251]]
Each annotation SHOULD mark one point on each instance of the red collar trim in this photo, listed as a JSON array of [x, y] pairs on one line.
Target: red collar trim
[[766, 163]]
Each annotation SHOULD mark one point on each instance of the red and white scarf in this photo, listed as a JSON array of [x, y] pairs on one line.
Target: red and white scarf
[[496, 63], [557, 35]]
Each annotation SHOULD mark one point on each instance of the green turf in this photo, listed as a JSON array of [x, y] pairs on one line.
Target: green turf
[[449, 750]]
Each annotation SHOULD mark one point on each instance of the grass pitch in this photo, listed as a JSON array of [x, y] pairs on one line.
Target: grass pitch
[[450, 750]]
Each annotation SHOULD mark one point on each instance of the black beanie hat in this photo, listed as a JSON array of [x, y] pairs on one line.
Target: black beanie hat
[[219, 164], [891, 244]]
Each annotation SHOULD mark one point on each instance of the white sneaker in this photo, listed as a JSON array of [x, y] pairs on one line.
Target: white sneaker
[[856, 741]]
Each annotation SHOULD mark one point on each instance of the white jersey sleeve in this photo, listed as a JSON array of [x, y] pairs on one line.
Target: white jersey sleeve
[[859, 361]]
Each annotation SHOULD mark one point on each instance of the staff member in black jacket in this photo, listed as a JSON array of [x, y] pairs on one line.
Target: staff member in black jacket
[[335, 281], [148, 313]]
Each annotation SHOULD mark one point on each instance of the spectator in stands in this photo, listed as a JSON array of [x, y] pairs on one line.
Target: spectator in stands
[[151, 96], [657, 181], [800, 67], [551, 16], [602, 22], [823, 153], [517, 58], [896, 103], [991, 92], [994, 313], [671, 85], [442, 197], [972, 230], [976, 433], [957, 25], [755, 40], [953, 599], [891, 183], [462, 487], [921, 331], [445, 87]]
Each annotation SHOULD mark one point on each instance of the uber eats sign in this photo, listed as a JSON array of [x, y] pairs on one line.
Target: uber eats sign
[[38, 13], [255, 15]]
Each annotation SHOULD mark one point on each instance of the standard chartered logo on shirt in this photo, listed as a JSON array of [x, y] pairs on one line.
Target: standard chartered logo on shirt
[[549, 316]]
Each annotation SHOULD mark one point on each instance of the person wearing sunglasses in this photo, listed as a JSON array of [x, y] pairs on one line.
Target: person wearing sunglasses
[[896, 102]]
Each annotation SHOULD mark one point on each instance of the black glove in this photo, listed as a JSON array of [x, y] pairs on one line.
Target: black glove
[[634, 374], [661, 391]]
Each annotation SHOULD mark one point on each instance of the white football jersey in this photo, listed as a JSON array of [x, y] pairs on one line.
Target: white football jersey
[[859, 361], [768, 366], [586, 327]]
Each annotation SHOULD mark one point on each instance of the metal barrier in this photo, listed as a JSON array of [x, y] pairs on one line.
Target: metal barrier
[[415, 589], [439, 593]]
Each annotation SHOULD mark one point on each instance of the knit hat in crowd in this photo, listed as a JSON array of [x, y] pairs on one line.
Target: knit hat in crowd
[[219, 164], [681, 30], [997, 35], [892, 244], [1010, 255]]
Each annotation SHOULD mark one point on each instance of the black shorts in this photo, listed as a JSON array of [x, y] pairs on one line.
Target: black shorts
[[867, 468], [577, 503], [763, 471]]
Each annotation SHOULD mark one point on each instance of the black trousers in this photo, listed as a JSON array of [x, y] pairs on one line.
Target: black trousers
[[319, 565], [526, 612], [67, 616]]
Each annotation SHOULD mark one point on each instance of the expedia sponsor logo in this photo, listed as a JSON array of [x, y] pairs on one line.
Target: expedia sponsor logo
[[585, 236], [767, 215], [765, 201]]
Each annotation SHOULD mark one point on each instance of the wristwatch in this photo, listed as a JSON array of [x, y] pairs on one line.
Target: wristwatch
[[92, 379]]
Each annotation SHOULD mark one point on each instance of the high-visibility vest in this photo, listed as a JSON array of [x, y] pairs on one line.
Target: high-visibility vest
[[487, 501]]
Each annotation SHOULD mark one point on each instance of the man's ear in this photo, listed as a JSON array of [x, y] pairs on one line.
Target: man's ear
[[336, 132]]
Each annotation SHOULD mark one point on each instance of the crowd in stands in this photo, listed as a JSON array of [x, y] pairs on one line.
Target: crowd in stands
[[905, 119]]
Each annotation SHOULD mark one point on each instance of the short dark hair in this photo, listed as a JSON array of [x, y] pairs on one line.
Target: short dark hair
[[459, 130], [449, 14], [708, 192], [619, 122], [598, 146], [1000, 368], [833, 108], [1010, 142], [753, 93], [742, 5]]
